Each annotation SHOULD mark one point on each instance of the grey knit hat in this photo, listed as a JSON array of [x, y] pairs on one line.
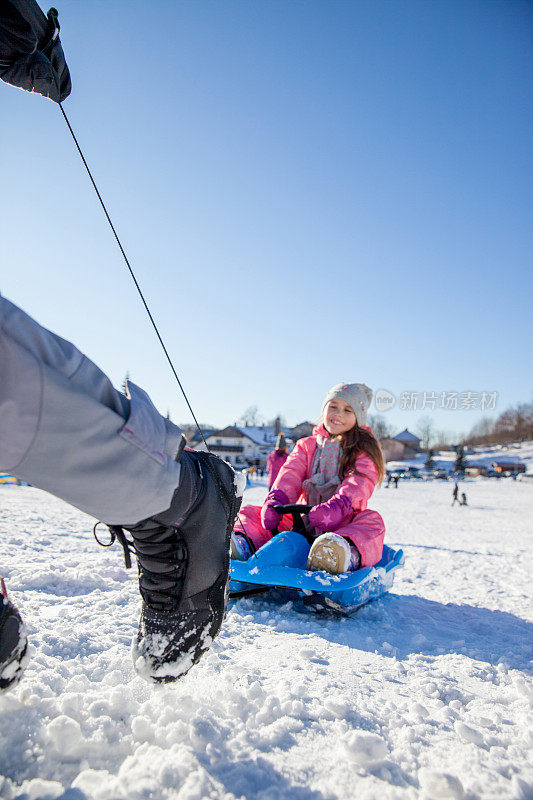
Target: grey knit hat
[[357, 395]]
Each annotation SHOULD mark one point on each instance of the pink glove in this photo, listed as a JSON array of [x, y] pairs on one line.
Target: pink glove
[[331, 515], [270, 519]]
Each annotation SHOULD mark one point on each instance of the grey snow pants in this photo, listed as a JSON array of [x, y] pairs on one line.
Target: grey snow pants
[[64, 428]]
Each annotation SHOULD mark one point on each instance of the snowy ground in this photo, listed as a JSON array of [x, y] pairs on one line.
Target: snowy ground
[[423, 694]]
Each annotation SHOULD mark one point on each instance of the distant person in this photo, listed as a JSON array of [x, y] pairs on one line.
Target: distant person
[[276, 459], [335, 471], [455, 494], [396, 480], [463, 500]]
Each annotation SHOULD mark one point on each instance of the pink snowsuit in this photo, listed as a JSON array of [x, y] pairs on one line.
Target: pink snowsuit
[[275, 461], [365, 529]]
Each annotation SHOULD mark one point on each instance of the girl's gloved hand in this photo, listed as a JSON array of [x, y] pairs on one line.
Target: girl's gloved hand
[[270, 518], [331, 515]]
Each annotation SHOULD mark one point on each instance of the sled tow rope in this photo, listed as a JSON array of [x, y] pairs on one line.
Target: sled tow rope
[[133, 275], [95, 187]]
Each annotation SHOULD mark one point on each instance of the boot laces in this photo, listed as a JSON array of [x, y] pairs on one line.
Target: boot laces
[[116, 534], [171, 554], [151, 546]]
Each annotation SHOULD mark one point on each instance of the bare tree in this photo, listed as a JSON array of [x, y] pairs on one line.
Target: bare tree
[[524, 421], [250, 417], [482, 430], [513, 424], [380, 426], [277, 423], [426, 430], [443, 439], [505, 423], [190, 430]]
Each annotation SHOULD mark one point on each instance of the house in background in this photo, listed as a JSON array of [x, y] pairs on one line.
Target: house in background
[[248, 445], [244, 447], [473, 469], [400, 447], [408, 439], [301, 430], [194, 437]]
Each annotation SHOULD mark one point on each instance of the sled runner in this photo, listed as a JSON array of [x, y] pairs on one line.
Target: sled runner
[[281, 563]]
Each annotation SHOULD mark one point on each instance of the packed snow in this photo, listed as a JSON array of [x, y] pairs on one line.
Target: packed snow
[[424, 693]]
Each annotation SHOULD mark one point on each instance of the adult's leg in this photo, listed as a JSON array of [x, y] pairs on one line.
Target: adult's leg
[[66, 429]]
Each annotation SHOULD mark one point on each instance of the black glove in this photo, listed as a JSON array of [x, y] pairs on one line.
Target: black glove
[[31, 56]]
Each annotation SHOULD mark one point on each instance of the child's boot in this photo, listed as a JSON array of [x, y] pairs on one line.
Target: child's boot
[[241, 547], [333, 553]]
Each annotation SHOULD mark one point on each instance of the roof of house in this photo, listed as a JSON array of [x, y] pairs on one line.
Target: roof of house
[[199, 436], [406, 436], [264, 436], [230, 432]]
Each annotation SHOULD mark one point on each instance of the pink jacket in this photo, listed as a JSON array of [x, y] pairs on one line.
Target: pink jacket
[[298, 467], [275, 461], [366, 529]]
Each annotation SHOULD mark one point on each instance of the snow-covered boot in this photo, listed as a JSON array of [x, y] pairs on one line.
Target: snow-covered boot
[[13, 642], [183, 560], [333, 553]]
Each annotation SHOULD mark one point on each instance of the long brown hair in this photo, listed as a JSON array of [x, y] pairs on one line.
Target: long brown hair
[[355, 441]]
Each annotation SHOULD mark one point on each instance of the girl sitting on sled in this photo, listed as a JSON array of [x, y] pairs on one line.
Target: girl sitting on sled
[[335, 470]]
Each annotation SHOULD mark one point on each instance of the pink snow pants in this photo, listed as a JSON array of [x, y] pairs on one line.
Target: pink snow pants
[[366, 530]]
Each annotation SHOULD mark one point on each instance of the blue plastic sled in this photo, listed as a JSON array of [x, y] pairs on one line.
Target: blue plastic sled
[[281, 563]]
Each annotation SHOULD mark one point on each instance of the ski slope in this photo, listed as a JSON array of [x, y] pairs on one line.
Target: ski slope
[[423, 694]]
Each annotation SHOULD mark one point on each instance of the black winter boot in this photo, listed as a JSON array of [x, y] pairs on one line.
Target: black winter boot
[[183, 560], [13, 643]]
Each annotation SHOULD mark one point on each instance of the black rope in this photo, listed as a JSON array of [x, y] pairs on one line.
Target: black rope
[[133, 275], [135, 281]]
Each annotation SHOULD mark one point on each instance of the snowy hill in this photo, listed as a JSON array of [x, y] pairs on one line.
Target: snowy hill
[[422, 694]]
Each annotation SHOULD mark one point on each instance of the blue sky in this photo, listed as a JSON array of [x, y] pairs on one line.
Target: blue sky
[[309, 192]]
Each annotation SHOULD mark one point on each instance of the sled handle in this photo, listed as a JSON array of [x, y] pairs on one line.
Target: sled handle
[[296, 510]]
